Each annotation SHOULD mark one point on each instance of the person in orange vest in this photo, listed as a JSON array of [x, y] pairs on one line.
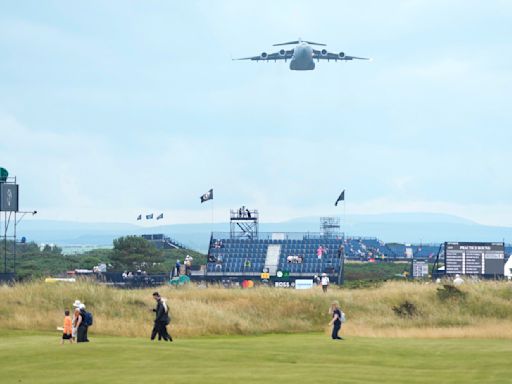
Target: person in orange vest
[[67, 330]]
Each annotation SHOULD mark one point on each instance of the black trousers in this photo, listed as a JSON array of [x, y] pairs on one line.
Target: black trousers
[[81, 334], [335, 329], [160, 329]]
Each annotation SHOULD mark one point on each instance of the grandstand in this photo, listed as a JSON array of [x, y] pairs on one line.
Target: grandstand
[[246, 252], [270, 251], [294, 254]]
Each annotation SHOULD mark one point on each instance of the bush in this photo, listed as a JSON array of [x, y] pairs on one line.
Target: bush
[[450, 293], [406, 310]]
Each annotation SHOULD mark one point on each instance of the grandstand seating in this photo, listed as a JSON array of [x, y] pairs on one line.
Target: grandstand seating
[[249, 256]]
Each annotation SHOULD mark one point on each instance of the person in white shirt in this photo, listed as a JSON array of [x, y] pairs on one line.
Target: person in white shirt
[[458, 280], [325, 282]]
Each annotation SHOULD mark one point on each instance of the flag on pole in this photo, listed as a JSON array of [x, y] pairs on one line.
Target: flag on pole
[[149, 217], [160, 216], [207, 196], [139, 217], [340, 198]]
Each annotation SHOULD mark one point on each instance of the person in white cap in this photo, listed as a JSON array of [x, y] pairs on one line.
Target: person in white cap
[[325, 282], [458, 280], [75, 318]]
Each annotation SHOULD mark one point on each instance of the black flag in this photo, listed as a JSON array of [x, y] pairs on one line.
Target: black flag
[[139, 217], [207, 196], [149, 217], [340, 198], [160, 216]]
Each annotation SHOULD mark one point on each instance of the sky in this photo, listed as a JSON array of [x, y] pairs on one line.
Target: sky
[[111, 109]]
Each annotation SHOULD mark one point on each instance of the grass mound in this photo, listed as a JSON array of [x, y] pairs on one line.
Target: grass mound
[[485, 311]]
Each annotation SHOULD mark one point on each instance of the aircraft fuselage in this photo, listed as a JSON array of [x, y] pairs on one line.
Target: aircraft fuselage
[[302, 59]]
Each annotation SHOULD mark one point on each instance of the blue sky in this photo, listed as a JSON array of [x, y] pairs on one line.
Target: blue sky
[[108, 109]]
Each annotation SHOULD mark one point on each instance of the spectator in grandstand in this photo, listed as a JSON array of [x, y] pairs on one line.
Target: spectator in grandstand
[[325, 282], [341, 251], [125, 275], [458, 280], [337, 319], [162, 319], [319, 252]]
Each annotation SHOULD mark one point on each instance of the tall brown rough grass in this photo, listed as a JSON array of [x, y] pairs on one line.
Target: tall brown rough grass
[[486, 310]]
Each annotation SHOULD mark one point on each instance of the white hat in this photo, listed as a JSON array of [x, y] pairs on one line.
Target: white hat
[[82, 306], [324, 274], [457, 276], [77, 303]]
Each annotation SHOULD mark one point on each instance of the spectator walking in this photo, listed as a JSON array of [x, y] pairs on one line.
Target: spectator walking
[[79, 326], [337, 318], [82, 325], [67, 330], [325, 282], [87, 320], [74, 321], [162, 319]]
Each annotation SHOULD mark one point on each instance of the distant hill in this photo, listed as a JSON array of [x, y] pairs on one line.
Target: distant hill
[[396, 227]]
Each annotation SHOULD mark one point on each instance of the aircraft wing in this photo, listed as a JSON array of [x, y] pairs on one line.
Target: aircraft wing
[[281, 55], [324, 55]]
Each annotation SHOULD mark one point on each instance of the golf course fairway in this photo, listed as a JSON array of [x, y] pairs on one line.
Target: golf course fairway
[[278, 358]]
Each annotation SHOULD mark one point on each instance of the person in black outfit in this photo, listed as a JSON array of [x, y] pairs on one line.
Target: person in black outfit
[[335, 311], [162, 319], [83, 328], [81, 331]]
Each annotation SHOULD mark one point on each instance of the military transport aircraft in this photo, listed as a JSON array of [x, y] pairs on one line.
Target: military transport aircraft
[[302, 56]]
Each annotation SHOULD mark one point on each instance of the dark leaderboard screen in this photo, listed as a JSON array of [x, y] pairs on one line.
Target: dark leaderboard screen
[[474, 258]]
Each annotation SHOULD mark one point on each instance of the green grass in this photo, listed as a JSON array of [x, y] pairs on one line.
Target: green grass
[[291, 358]]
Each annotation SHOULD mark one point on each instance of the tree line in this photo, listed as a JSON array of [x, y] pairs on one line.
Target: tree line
[[129, 253]]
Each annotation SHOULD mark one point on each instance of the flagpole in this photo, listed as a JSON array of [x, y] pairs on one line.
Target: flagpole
[[345, 215], [212, 215]]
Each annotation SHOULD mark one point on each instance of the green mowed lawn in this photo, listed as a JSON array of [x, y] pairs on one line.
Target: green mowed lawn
[[283, 358]]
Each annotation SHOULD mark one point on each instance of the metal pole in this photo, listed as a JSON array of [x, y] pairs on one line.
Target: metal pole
[[5, 242], [14, 245]]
